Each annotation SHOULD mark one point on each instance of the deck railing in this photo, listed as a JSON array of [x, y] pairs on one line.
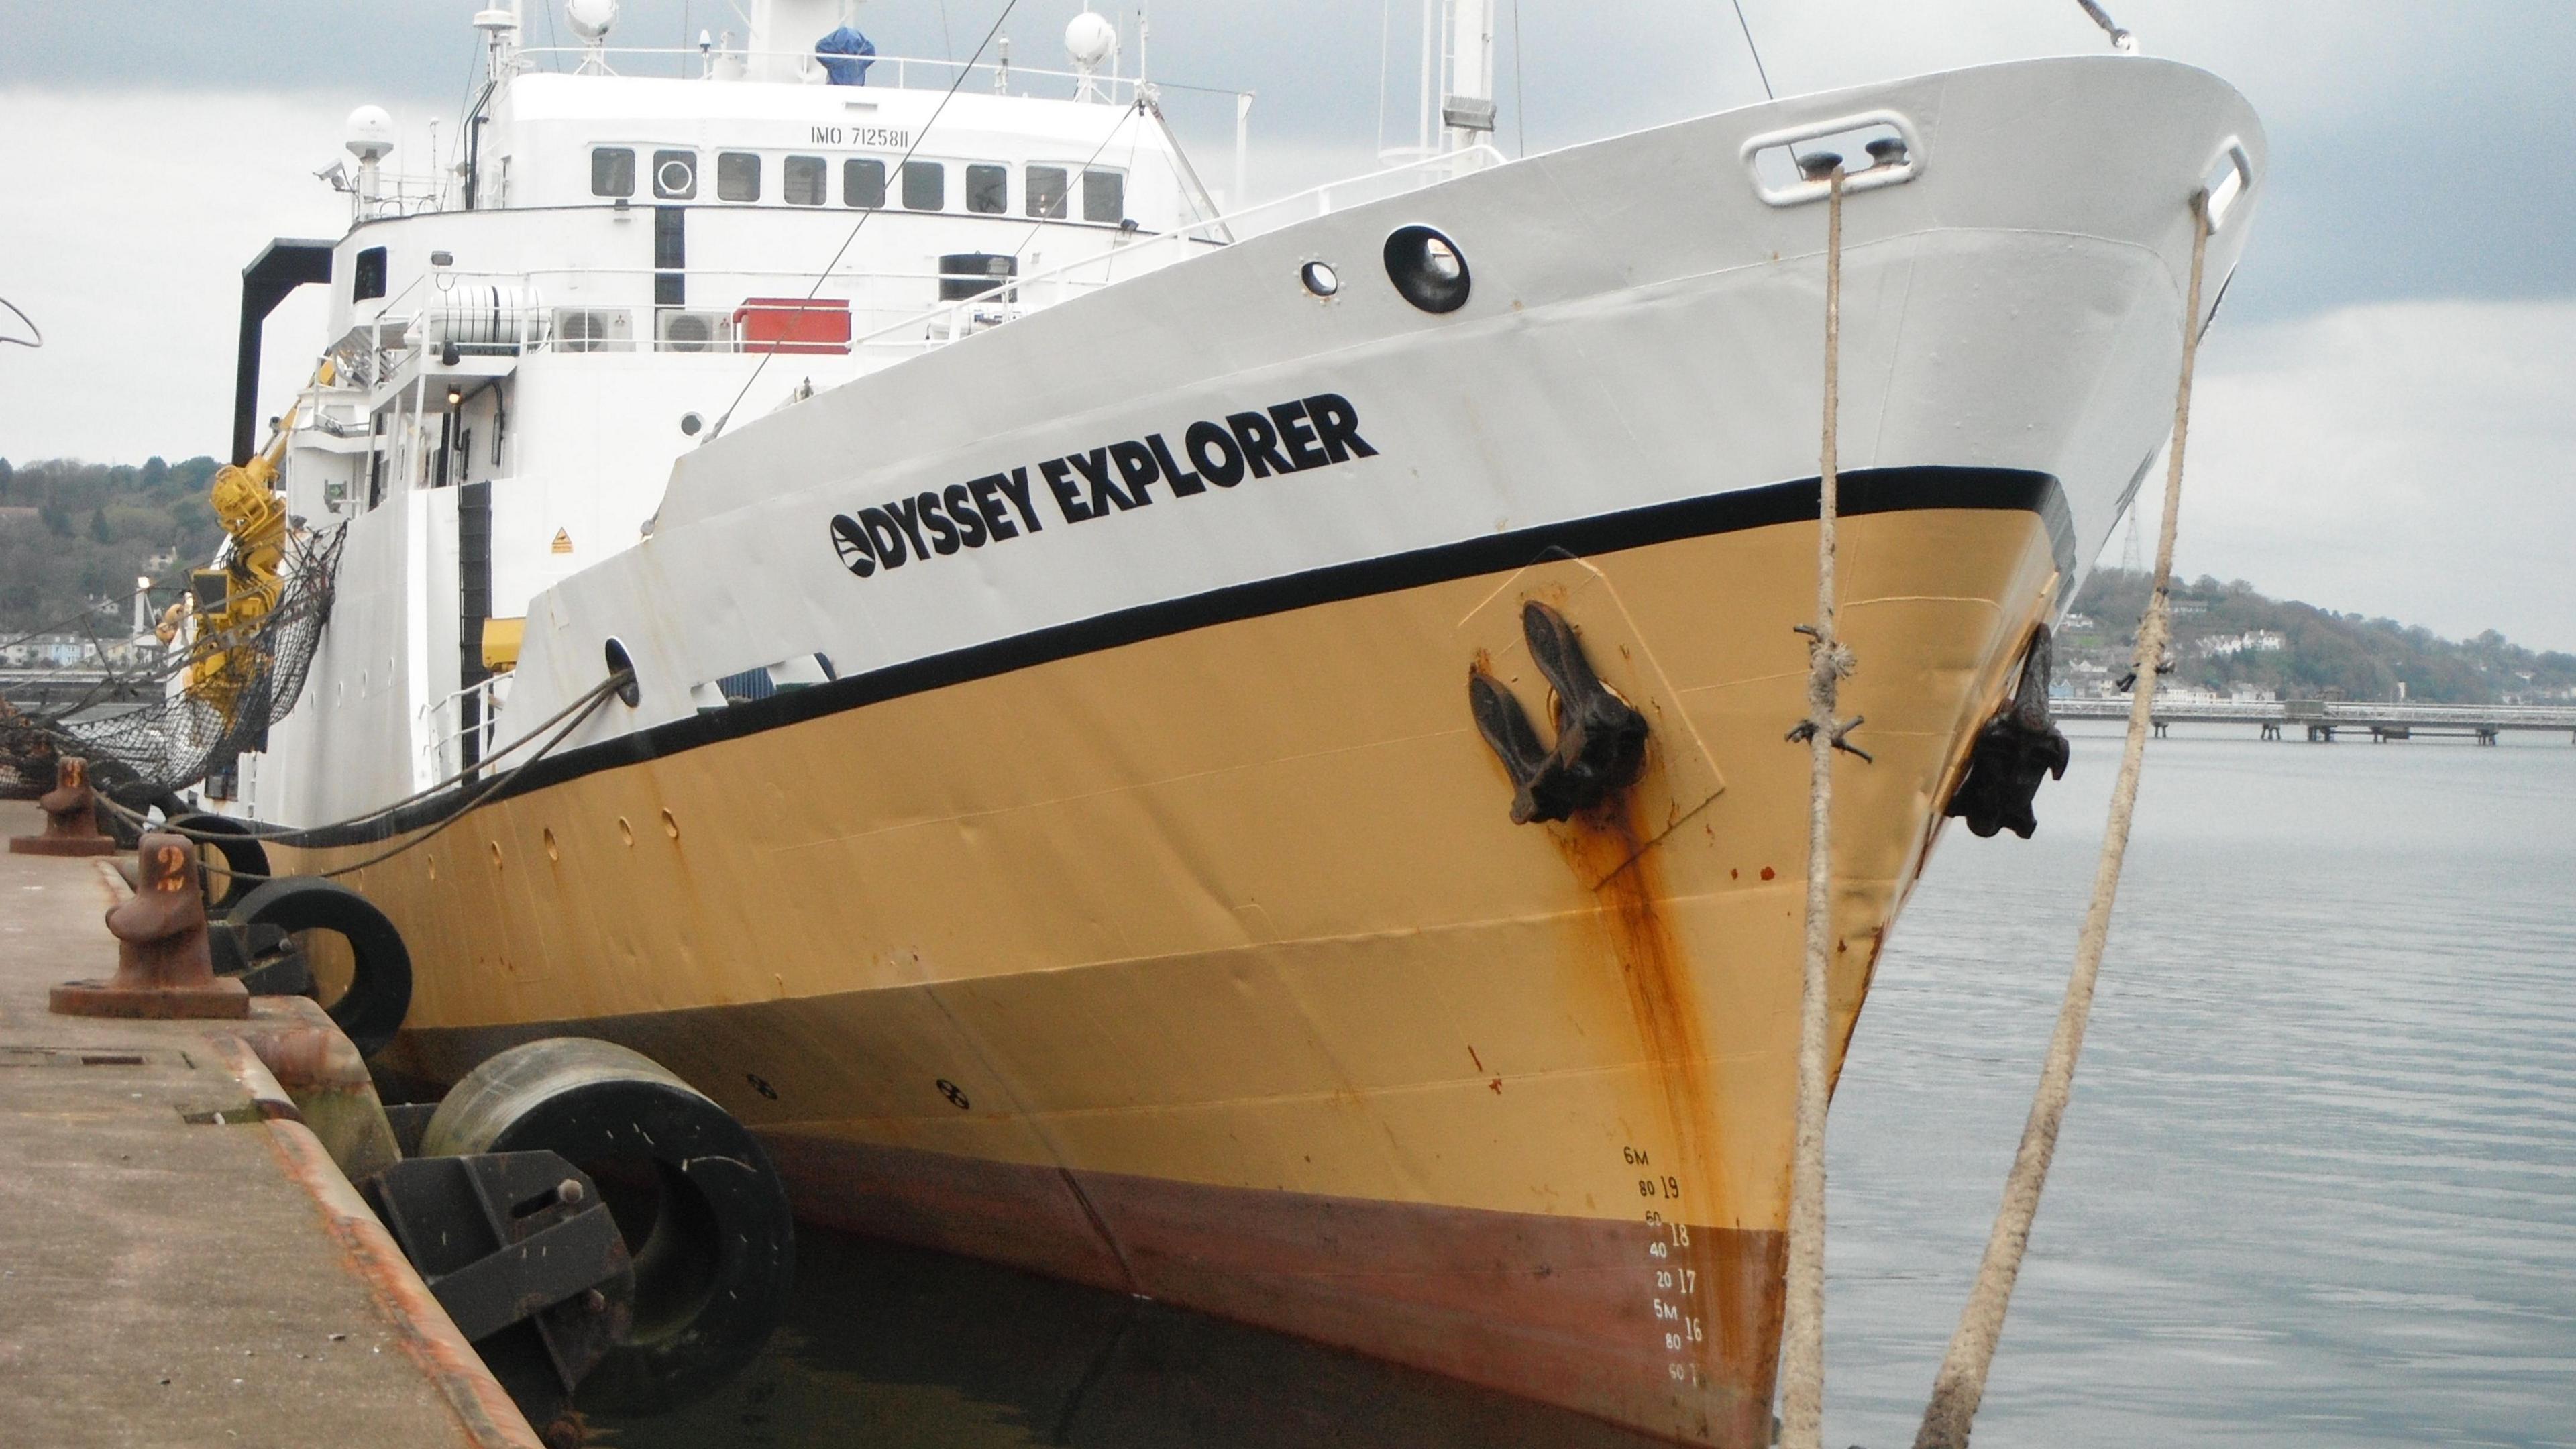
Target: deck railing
[[446, 728]]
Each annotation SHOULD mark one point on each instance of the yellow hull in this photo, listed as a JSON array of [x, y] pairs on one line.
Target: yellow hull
[[1210, 965]]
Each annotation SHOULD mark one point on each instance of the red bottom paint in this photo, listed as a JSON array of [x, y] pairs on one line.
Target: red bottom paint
[[1665, 1328]]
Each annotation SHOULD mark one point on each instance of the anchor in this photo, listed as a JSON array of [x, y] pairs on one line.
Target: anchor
[[2014, 752], [1600, 740]]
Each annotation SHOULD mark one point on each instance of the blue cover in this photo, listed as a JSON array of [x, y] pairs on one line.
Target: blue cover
[[846, 42]]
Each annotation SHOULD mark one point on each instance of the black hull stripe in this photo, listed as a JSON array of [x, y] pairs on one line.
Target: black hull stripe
[[1864, 491]]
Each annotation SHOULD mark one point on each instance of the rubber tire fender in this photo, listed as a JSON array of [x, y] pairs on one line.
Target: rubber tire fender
[[242, 852], [712, 1279], [371, 1011]]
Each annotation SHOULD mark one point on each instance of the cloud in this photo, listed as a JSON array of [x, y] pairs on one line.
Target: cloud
[[2409, 459], [2356, 445], [132, 263]]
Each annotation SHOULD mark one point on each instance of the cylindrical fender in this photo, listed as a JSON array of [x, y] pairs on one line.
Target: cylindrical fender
[[379, 993], [713, 1270], [245, 859]]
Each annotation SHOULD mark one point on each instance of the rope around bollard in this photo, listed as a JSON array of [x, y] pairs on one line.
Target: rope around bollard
[[1961, 1383]]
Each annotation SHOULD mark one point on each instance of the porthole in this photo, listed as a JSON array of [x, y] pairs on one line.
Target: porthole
[[1320, 278], [629, 693], [690, 423], [1427, 268], [675, 175]]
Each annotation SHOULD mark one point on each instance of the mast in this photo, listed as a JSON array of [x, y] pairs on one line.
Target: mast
[[783, 33], [1467, 75]]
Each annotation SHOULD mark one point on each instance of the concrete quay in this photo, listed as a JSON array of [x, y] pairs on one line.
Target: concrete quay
[[181, 1263]]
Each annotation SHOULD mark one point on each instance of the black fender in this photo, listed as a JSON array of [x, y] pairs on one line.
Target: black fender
[[379, 994], [714, 1248], [245, 858]]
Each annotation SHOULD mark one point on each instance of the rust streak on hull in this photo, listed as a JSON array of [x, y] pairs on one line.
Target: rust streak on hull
[[1728, 1320]]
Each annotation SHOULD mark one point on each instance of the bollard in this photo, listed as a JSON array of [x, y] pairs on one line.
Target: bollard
[[163, 968], [71, 816]]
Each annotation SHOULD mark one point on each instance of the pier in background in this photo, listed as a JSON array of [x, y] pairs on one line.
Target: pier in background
[[2324, 719]]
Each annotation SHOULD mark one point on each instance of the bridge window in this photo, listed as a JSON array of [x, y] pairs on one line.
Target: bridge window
[[675, 175], [367, 278], [612, 171], [737, 176], [1046, 190], [1104, 196], [804, 180], [988, 189], [863, 183], [925, 186]]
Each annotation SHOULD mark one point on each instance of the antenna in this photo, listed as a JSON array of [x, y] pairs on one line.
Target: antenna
[[2121, 40], [1092, 41], [2129, 563], [368, 134], [591, 19], [499, 25]]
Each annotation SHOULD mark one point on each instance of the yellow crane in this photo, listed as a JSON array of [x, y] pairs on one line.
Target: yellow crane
[[226, 658]]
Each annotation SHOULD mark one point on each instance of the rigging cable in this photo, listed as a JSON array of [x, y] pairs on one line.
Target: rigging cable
[[825, 274], [1755, 50], [1961, 1384], [1126, 114], [36, 338]]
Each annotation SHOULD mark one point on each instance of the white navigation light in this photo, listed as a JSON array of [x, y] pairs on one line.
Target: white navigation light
[[370, 134], [591, 18], [1090, 39]]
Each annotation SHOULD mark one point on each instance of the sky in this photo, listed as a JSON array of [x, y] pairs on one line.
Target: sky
[[2385, 421]]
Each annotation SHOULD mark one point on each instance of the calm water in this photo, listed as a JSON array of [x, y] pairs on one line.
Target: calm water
[[2318, 1186]]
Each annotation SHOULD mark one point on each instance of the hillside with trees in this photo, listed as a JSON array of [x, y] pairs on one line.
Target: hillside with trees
[[75, 536], [2229, 634]]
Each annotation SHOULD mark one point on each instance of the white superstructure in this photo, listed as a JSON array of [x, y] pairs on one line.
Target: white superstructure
[[635, 248]]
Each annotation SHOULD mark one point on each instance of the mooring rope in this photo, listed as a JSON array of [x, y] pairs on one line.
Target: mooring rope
[[291, 834], [1802, 1347], [1961, 1384], [469, 798]]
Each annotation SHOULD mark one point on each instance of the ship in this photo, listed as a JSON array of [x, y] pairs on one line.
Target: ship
[[1233, 753]]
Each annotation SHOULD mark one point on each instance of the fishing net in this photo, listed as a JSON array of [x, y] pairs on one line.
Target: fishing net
[[26, 756], [196, 726]]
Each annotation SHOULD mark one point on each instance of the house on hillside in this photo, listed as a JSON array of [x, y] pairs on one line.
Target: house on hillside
[[2252, 641]]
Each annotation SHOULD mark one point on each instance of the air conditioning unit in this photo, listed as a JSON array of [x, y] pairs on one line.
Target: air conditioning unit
[[678, 331], [594, 329]]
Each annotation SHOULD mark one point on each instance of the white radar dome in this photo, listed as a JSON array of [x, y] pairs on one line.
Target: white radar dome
[[370, 133], [1090, 39], [591, 18]]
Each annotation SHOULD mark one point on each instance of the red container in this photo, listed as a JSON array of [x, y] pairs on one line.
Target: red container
[[792, 324]]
